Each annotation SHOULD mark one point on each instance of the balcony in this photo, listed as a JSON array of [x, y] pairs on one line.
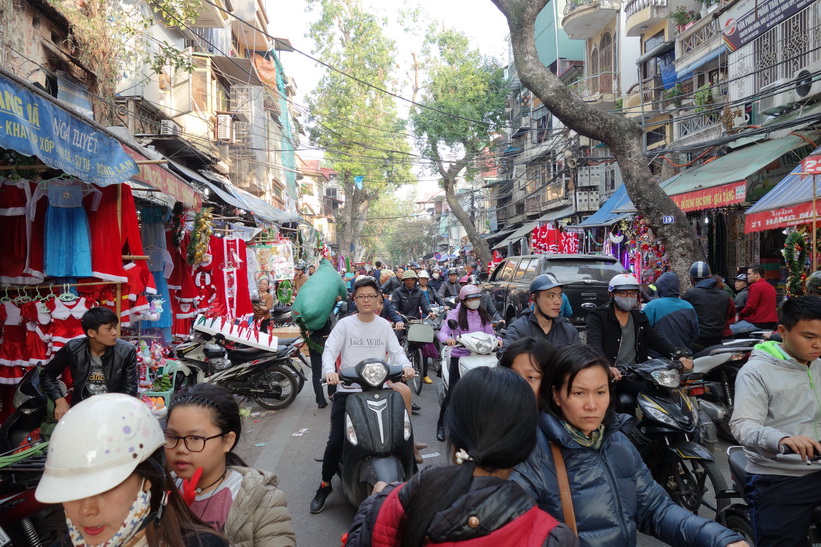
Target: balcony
[[644, 100], [644, 13], [599, 90], [693, 124], [584, 18]]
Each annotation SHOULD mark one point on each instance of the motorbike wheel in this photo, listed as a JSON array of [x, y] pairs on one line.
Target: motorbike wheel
[[741, 526], [280, 383], [688, 481], [417, 360]]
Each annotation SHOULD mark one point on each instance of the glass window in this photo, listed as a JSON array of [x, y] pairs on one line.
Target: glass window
[[527, 269], [580, 270], [505, 272]]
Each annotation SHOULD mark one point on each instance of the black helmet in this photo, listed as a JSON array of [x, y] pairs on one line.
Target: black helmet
[[700, 270], [813, 283], [544, 282]]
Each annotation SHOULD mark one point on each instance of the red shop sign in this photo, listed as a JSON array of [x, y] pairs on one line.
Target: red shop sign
[[709, 198], [165, 181], [811, 165]]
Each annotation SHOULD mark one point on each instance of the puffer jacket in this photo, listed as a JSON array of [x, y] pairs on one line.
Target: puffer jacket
[[507, 516], [714, 307], [561, 334], [119, 368], [259, 515], [671, 317], [474, 325], [613, 492], [409, 302], [776, 397], [604, 334]]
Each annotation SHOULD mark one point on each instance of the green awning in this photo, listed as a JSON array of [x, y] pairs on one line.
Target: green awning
[[734, 167]]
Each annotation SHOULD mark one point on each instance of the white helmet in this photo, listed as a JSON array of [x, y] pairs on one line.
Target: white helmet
[[623, 282], [423, 273], [96, 446]]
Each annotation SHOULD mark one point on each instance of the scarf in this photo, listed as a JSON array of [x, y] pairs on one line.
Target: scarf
[[130, 528], [593, 441]]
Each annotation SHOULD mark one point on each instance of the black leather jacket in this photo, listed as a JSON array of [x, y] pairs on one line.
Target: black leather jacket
[[449, 289], [119, 369], [408, 302], [604, 334]]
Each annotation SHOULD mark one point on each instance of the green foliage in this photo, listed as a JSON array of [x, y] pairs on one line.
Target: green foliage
[[463, 82], [702, 97], [394, 234], [675, 94]]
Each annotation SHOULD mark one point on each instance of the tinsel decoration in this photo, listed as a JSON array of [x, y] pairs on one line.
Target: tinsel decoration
[[200, 237], [178, 224], [795, 255], [285, 292]]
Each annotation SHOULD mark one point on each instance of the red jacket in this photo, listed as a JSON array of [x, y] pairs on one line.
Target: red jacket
[[761, 306]]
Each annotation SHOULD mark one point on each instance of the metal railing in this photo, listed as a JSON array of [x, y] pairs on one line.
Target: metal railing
[[692, 39], [590, 87], [575, 4], [693, 124], [635, 6]]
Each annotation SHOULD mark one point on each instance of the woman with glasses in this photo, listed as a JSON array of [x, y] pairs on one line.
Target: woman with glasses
[[621, 332], [203, 429]]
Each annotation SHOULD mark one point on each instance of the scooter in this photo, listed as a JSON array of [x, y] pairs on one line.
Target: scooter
[[482, 347], [667, 435], [378, 432], [272, 379]]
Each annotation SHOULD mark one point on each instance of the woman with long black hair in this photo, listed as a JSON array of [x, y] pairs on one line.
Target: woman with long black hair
[[490, 427]]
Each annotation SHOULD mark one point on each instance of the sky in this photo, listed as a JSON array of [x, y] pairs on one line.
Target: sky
[[479, 19]]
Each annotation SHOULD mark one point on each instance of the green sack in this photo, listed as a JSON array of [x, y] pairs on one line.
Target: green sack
[[317, 297], [47, 427]]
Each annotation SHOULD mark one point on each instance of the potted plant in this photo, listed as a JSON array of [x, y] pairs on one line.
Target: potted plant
[[703, 96], [681, 16], [674, 95]]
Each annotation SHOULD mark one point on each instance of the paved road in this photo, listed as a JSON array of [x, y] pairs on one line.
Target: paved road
[[293, 459]]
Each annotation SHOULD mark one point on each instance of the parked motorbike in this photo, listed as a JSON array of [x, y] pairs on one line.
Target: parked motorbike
[[482, 347], [667, 435], [272, 379], [712, 382], [378, 432], [281, 315]]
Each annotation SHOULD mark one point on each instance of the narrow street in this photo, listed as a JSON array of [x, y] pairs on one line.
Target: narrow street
[[293, 458]]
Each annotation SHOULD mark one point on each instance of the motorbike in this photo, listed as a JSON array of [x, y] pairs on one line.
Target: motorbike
[[24, 521], [736, 516], [281, 315], [712, 383], [272, 379], [482, 347], [378, 432], [667, 435]]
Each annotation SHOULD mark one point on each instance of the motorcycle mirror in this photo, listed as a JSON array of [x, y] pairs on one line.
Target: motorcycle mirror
[[343, 308], [452, 324]]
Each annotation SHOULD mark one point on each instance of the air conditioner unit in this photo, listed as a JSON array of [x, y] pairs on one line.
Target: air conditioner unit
[[169, 127], [808, 82], [776, 97], [225, 127]]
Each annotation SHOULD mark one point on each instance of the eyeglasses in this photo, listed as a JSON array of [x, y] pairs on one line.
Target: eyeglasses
[[626, 293], [366, 297], [194, 443]]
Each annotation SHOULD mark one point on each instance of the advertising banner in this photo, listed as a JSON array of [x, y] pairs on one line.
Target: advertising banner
[[710, 198], [746, 20], [811, 165], [165, 181], [34, 126], [780, 218]]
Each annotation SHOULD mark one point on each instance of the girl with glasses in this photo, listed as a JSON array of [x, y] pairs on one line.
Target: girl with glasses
[[203, 429]]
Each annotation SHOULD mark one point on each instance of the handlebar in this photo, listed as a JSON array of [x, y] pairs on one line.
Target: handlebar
[[786, 450]]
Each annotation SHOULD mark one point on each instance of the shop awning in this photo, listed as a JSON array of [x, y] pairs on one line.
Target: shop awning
[[557, 214], [236, 69], [520, 232], [789, 203], [606, 216], [241, 199], [627, 207], [162, 179], [33, 124], [686, 72], [723, 181]]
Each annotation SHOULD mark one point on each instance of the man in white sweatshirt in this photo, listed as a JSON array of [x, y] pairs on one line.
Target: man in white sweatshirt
[[354, 338]]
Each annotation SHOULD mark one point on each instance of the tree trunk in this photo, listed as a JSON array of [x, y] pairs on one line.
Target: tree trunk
[[622, 135], [351, 219]]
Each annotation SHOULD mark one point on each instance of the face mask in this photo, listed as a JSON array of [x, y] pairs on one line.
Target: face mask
[[131, 525], [625, 303], [473, 303], [436, 276]]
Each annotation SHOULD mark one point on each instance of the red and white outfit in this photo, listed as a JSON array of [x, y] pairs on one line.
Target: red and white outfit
[[13, 350], [38, 332], [16, 231], [65, 317], [230, 274], [184, 314], [106, 258]]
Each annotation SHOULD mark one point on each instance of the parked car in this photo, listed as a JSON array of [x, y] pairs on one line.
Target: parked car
[[587, 278]]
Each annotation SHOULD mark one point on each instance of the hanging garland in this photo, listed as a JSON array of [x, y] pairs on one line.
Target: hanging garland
[[795, 254], [178, 224], [200, 237], [285, 292]]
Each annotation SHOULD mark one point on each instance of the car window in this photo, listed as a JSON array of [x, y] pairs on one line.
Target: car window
[[506, 273], [527, 269], [580, 270]]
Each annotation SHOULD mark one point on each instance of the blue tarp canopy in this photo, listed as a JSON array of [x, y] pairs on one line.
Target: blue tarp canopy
[[606, 216], [792, 190]]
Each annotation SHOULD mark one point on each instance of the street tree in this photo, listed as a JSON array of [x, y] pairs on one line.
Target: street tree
[[463, 96], [352, 120], [622, 135]]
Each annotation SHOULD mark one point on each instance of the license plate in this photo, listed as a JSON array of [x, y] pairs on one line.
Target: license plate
[[4, 539]]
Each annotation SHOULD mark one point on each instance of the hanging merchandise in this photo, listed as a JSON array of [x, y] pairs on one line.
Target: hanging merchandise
[[66, 226], [16, 226], [285, 292], [276, 260], [201, 237], [230, 279], [795, 254], [178, 224], [106, 258]]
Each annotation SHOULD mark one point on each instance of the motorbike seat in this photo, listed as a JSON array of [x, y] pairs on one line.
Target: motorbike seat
[[738, 461], [237, 356], [287, 341]]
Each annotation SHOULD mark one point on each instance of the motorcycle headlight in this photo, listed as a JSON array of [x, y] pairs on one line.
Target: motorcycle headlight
[[666, 378], [406, 428], [658, 414], [350, 432], [484, 347], [374, 374]]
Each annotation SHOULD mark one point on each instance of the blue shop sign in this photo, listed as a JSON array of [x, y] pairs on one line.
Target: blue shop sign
[[35, 126]]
